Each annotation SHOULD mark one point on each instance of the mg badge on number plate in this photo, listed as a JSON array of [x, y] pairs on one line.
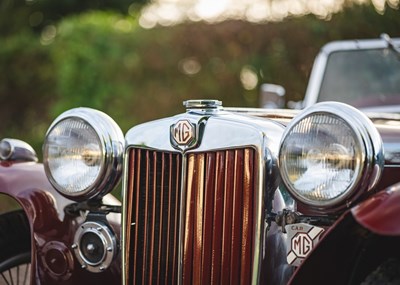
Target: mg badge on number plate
[[302, 238]]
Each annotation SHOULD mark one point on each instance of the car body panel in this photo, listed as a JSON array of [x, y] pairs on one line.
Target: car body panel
[[344, 242], [376, 214], [52, 231]]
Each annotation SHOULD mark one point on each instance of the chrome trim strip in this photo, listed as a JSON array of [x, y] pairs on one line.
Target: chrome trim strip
[[124, 216], [182, 219], [392, 166], [259, 218]]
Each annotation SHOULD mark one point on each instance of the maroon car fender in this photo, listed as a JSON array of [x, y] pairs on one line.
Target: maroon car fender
[[380, 214], [52, 231], [337, 255]]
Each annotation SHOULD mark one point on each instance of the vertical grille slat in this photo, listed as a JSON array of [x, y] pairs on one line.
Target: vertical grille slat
[[208, 218], [146, 217], [189, 224], [137, 269], [199, 210], [218, 210], [162, 222], [152, 220], [176, 209], [227, 218], [237, 218], [218, 219], [130, 217], [248, 221], [165, 263]]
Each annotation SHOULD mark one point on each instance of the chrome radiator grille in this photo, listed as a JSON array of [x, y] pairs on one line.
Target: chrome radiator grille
[[153, 217], [215, 234]]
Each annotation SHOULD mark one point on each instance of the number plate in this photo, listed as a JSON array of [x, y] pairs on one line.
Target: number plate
[[302, 238]]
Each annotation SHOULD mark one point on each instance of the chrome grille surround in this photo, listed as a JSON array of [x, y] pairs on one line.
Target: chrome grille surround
[[223, 132]]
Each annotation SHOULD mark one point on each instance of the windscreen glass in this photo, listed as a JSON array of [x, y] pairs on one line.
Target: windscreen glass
[[362, 78]]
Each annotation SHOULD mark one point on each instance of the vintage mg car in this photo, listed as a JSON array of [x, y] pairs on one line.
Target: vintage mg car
[[218, 195]]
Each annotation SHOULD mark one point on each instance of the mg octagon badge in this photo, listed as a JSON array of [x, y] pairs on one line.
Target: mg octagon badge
[[183, 134], [302, 238]]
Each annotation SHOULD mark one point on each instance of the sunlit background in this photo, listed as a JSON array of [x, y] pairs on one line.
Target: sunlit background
[[172, 12], [139, 60]]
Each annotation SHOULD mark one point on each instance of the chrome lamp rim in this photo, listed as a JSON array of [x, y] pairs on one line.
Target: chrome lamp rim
[[112, 143], [371, 147]]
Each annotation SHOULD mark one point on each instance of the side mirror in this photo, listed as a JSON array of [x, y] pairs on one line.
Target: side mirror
[[272, 96]]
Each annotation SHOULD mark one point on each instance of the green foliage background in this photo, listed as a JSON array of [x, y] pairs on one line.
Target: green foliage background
[[105, 60]]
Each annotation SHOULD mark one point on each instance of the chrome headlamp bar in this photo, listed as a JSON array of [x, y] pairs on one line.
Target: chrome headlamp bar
[[83, 153], [330, 154]]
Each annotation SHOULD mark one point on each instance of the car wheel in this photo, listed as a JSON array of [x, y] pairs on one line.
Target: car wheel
[[15, 248]]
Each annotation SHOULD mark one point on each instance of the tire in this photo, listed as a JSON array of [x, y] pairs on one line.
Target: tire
[[15, 248]]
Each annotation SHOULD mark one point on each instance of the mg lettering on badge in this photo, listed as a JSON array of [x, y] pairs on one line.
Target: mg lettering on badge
[[301, 244], [183, 133], [302, 238]]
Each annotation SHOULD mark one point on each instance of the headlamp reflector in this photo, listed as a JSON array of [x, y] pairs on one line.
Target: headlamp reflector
[[321, 158], [74, 155]]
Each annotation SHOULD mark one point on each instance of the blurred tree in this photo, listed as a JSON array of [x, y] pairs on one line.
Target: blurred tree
[[99, 73], [17, 15], [55, 10], [26, 88], [19, 21]]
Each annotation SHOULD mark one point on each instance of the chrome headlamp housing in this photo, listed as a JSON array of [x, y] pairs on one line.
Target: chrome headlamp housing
[[330, 154], [83, 153]]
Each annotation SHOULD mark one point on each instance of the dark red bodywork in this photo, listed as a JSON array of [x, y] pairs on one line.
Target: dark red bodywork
[[378, 214], [373, 225], [52, 231]]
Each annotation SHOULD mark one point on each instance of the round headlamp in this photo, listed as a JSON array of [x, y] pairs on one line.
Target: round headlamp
[[83, 154], [329, 155]]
